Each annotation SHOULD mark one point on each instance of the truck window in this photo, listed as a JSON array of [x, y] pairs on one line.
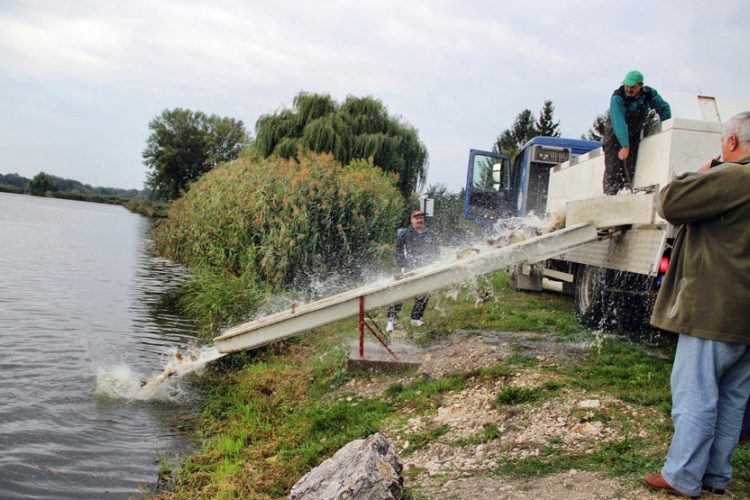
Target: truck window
[[488, 173]]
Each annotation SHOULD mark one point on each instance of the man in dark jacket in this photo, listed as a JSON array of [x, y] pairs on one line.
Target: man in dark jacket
[[628, 112], [416, 246], [704, 297]]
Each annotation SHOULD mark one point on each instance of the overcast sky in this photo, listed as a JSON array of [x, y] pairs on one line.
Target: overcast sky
[[81, 79]]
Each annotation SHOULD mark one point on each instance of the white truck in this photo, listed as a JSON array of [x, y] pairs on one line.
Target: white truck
[[615, 279]]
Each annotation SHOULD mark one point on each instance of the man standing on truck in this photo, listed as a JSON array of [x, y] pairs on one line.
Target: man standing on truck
[[628, 113], [704, 298], [416, 246]]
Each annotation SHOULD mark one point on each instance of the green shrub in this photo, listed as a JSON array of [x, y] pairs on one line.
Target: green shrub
[[282, 223], [512, 396]]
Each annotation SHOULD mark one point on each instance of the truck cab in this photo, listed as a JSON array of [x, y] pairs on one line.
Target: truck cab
[[495, 189]]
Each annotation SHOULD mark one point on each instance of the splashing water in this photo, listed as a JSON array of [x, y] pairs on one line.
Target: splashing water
[[505, 232], [117, 380]]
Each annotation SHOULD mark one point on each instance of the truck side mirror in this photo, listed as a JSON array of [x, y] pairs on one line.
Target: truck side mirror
[[497, 176]]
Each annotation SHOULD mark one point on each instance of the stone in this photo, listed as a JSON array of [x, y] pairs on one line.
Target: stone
[[589, 403], [367, 469]]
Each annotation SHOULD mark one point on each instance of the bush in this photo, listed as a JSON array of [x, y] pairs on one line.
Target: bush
[[147, 208], [283, 223]]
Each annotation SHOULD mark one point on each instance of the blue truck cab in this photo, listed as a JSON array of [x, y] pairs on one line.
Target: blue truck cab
[[495, 189]]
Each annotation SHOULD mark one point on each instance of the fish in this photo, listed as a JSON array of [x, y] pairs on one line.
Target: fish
[[482, 297], [466, 253]]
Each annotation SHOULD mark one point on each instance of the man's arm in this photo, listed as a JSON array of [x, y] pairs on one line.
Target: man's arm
[[617, 115], [661, 106], [400, 251], [693, 196]]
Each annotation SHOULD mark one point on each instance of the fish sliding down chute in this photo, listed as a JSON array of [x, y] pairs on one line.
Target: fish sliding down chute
[[306, 317]]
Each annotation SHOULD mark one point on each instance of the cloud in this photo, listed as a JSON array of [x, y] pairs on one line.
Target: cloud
[[79, 80]]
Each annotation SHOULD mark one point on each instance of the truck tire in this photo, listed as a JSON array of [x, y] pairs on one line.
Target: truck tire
[[590, 297]]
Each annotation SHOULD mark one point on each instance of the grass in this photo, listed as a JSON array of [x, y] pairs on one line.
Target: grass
[[512, 396], [273, 414]]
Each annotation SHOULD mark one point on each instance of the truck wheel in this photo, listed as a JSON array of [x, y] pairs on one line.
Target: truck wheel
[[589, 296]]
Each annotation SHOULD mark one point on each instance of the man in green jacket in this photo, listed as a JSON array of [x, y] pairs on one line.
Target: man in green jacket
[[704, 297], [628, 113]]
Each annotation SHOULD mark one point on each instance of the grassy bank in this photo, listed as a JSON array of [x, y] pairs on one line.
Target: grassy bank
[[273, 414]]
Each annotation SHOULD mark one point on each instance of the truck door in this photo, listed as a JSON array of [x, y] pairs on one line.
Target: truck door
[[487, 182]]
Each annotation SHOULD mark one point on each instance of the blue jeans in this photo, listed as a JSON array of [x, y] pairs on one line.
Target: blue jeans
[[710, 388]]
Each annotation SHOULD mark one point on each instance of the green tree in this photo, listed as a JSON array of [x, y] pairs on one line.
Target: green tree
[[184, 145], [358, 128], [525, 128], [546, 125], [40, 184], [511, 140], [14, 180], [596, 132]]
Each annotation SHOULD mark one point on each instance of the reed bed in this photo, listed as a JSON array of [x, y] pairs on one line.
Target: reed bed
[[261, 226]]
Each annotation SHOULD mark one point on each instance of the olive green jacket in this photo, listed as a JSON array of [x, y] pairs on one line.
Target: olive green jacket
[[706, 290]]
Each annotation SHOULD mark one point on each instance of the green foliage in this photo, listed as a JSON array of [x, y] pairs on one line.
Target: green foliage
[[511, 140], [147, 208], [358, 128], [490, 432], [184, 145], [70, 189], [419, 441], [40, 184], [545, 124], [7, 188], [627, 373], [448, 221], [281, 223], [596, 132], [14, 180], [511, 395], [525, 128], [216, 299]]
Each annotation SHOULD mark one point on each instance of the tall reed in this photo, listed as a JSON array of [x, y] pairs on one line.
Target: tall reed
[[274, 224]]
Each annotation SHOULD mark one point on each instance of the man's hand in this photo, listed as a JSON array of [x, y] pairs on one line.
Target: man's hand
[[624, 152], [707, 166]]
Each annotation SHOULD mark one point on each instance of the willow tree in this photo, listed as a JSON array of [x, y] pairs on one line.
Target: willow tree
[[358, 128], [40, 184]]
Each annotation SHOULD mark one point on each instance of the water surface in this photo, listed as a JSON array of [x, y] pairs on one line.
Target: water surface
[[80, 296]]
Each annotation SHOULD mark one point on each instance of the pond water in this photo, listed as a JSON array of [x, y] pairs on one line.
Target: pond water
[[81, 317]]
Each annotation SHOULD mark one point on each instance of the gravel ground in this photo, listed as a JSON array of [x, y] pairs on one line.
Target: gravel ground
[[445, 471]]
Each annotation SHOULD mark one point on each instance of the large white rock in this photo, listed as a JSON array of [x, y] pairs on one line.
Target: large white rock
[[365, 469]]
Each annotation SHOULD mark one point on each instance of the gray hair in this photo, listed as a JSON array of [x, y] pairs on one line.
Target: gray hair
[[738, 126]]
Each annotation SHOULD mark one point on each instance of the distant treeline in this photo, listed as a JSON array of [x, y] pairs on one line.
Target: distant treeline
[[16, 184], [57, 187]]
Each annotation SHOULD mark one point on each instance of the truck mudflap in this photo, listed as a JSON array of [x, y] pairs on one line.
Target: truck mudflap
[[636, 250]]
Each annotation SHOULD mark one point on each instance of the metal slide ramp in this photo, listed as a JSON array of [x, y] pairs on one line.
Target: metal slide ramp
[[418, 282]]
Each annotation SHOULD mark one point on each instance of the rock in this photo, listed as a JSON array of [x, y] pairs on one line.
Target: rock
[[589, 403], [368, 469]]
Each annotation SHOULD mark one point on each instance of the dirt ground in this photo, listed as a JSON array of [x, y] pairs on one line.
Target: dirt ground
[[444, 471]]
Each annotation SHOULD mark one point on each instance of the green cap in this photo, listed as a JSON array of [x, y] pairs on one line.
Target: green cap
[[632, 78]]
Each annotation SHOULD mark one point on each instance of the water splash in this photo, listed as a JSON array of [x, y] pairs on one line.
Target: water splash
[[115, 379]]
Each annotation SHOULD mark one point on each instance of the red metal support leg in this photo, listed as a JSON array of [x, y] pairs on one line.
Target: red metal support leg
[[362, 324], [362, 327]]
